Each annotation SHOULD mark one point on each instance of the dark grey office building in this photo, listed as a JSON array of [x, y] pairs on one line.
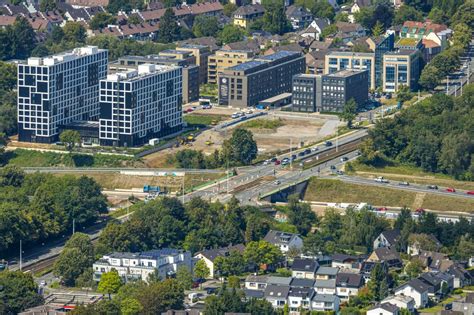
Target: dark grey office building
[[190, 71], [340, 87], [329, 93], [306, 93], [249, 83]]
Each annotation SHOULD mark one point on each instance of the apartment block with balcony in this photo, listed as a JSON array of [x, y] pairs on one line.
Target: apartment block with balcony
[[223, 59], [139, 266]]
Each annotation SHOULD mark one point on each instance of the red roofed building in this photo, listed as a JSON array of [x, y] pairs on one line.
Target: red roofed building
[[420, 30]]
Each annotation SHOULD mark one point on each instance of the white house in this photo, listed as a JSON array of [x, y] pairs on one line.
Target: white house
[[387, 239], [253, 282], [325, 303], [348, 284], [138, 266], [384, 309], [402, 301], [300, 298], [277, 295], [284, 240], [315, 29], [325, 286], [416, 289], [304, 268]]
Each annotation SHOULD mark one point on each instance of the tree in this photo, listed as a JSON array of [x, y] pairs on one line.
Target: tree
[[465, 14], [378, 29], [201, 271], [134, 19], [430, 77], [109, 283], [378, 283], [8, 78], [130, 306], [262, 254], [231, 265], [342, 17], [101, 20], [76, 257], [404, 94], [407, 13], [11, 175], [274, 18], [438, 16], [205, 26], [22, 37], [229, 8], [414, 268], [329, 30], [422, 242], [74, 32], [124, 5], [314, 244], [300, 215], [234, 282], [257, 306], [184, 278], [158, 297], [349, 112], [169, 29], [323, 9], [18, 291], [70, 138], [241, 148], [461, 35], [48, 5], [230, 34], [465, 248]]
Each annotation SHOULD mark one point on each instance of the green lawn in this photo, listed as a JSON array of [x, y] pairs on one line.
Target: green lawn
[[262, 123], [202, 119], [30, 158]]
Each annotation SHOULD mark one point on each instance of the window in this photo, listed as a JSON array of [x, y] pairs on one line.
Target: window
[[402, 74], [390, 74]]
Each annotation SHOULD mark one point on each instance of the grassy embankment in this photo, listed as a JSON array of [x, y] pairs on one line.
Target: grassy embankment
[[333, 190]]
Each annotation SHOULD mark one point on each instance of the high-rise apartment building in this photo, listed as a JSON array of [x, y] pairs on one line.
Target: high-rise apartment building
[[59, 90], [201, 53], [261, 78], [138, 105]]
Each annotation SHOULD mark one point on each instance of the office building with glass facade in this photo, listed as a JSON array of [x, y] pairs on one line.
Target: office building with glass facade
[[342, 60], [383, 44], [59, 90], [138, 105], [402, 67]]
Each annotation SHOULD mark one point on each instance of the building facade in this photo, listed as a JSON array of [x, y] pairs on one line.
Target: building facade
[[245, 14], [341, 60], [223, 59], [138, 266], [264, 77], [138, 105], [58, 90], [190, 71], [338, 88], [383, 44], [201, 53], [330, 92], [402, 67]]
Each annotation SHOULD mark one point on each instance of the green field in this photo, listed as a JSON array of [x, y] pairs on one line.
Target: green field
[[263, 123], [333, 190], [30, 158], [202, 119]]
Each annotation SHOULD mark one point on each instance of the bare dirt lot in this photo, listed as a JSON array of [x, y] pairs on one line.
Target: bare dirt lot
[[296, 130]]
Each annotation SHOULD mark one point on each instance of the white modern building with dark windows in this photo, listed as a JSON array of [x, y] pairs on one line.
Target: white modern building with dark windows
[[138, 105], [59, 90]]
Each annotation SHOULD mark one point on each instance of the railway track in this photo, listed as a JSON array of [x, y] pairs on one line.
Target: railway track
[[331, 154]]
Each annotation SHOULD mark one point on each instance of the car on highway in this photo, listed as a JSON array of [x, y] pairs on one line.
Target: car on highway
[[273, 159], [344, 158], [404, 184], [266, 162], [451, 189], [234, 116], [420, 211], [277, 182], [333, 167], [307, 151], [328, 143], [382, 209], [432, 187], [301, 153], [339, 172], [471, 192], [314, 149], [293, 157], [381, 179], [277, 162]]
